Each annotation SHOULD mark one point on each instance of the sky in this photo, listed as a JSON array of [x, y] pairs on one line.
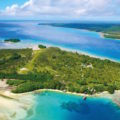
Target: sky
[[60, 9], [5, 3]]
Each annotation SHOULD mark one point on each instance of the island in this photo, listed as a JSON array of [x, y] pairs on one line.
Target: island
[[12, 40], [52, 68], [41, 46]]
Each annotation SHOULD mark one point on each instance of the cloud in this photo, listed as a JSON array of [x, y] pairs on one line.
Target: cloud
[[66, 8]]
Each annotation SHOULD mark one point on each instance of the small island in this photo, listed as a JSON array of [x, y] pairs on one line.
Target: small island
[[12, 40], [41, 46]]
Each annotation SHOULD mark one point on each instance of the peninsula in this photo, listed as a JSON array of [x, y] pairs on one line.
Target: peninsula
[[52, 68]]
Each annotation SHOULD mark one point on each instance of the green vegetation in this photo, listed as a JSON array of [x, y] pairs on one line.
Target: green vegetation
[[12, 40], [52, 68], [41, 46], [12, 60], [15, 82], [112, 35]]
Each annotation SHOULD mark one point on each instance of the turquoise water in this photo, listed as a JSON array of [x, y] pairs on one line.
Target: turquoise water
[[74, 39], [59, 106]]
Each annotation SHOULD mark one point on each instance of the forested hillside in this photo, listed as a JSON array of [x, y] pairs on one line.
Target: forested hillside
[[52, 68]]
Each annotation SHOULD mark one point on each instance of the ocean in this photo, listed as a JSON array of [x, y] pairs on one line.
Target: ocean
[[83, 41]]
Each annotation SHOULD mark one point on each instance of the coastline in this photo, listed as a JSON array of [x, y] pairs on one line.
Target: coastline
[[35, 47], [101, 34], [114, 97], [12, 105]]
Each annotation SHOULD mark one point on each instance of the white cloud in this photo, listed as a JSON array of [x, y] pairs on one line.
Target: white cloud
[[69, 8], [11, 10]]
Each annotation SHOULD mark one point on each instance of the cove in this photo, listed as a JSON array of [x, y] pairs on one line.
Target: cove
[[60, 106]]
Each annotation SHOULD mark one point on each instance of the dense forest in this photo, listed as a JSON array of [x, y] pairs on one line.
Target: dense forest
[[109, 30], [53, 68]]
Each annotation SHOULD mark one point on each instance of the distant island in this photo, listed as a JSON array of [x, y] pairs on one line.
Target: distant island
[[109, 30], [12, 40], [52, 68], [41, 46]]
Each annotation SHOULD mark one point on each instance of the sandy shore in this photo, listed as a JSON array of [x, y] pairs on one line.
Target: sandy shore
[[101, 34], [14, 106]]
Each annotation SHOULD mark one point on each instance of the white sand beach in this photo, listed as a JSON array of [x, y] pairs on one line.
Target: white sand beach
[[14, 106]]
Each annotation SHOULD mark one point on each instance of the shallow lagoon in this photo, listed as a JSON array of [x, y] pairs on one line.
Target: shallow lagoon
[[79, 40], [60, 106]]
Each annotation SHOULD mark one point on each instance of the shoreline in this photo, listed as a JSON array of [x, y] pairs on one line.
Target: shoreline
[[15, 104], [114, 97], [104, 94], [35, 47], [101, 34]]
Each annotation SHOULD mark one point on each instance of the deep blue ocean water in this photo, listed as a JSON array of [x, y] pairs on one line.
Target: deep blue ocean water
[[79, 40], [59, 106]]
